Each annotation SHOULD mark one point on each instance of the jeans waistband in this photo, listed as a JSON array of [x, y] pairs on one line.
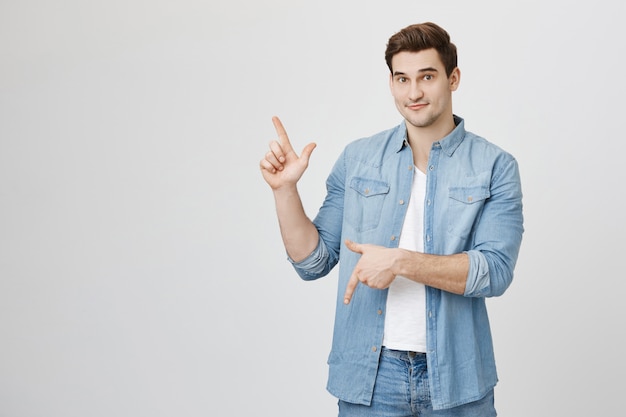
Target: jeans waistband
[[402, 354]]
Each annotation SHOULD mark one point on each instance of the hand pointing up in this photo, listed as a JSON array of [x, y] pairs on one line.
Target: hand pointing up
[[281, 165]]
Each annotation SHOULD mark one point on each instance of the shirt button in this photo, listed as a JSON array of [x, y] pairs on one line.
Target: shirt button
[[367, 191], [432, 167], [410, 167], [428, 238], [380, 312], [428, 202], [470, 199], [374, 348], [401, 202], [393, 238]]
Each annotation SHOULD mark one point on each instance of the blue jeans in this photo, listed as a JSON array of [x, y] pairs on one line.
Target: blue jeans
[[401, 390]]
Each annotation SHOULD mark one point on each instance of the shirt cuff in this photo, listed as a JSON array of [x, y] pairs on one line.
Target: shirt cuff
[[478, 279], [314, 264]]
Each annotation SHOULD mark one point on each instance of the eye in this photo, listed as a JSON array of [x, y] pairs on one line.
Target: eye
[[428, 77], [402, 79]]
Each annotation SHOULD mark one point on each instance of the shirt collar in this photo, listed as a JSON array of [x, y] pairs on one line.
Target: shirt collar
[[452, 141], [399, 138], [448, 144]]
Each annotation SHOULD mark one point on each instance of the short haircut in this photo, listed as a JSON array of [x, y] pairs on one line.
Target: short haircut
[[421, 36]]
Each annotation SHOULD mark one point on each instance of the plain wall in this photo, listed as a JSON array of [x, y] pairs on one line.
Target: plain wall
[[141, 267]]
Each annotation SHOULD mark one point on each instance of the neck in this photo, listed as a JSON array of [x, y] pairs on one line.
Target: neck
[[421, 139]]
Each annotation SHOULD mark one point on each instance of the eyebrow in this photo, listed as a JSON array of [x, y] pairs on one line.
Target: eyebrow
[[428, 69]]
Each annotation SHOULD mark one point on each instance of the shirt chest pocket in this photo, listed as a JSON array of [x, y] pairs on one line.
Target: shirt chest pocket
[[465, 204], [364, 205]]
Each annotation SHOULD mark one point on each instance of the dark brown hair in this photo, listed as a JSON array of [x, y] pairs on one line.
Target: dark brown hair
[[421, 36]]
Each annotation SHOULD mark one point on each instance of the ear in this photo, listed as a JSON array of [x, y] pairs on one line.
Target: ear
[[455, 79]]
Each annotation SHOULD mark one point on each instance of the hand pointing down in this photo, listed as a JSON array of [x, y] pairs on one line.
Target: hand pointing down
[[373, 269]]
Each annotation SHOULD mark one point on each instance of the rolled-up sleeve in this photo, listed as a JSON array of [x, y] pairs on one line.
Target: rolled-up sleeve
[[477, 284], [313, 266]]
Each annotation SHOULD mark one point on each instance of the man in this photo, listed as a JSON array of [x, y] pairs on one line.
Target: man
[[425, 221]]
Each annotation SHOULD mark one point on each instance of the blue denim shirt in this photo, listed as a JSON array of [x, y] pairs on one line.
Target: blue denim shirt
[[473, 204]]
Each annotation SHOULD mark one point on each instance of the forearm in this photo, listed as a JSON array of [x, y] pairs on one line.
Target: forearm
[[298, 232], [445, 272]]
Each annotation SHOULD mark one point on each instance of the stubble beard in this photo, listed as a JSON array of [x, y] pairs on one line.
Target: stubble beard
[[421, 121], [425, 118]]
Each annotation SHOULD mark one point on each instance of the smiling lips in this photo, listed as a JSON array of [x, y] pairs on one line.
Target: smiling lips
[[416, 106]]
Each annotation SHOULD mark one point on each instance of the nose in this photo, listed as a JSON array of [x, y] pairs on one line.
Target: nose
[[415, 92]]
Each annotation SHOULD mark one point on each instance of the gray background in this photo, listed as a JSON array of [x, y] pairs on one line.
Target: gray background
[[141, 268]]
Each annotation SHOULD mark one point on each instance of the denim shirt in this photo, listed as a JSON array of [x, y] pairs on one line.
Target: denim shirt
[[473, 204]]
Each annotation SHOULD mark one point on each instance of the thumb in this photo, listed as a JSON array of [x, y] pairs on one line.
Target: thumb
[[353, 246], [307, 151]]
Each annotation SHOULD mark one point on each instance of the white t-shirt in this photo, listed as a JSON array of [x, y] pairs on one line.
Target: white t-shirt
[[405, 320]]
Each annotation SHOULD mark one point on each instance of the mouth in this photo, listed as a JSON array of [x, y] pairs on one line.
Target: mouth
[[416, 106]]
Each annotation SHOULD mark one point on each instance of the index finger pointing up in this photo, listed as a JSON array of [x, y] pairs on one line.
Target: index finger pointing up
[[282, 134]]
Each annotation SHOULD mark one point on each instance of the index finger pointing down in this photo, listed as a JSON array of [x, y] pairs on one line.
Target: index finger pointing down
[[352, 283]]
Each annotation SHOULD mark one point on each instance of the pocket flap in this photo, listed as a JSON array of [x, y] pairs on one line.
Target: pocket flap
[[368, 187], [469, 195]]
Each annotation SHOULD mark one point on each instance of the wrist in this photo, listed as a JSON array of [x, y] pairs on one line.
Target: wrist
[[400, 260]]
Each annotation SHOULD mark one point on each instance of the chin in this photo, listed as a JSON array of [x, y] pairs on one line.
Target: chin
[[421, 122]]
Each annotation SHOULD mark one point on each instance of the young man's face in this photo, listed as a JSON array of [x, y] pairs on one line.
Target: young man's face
[[420, 87]]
